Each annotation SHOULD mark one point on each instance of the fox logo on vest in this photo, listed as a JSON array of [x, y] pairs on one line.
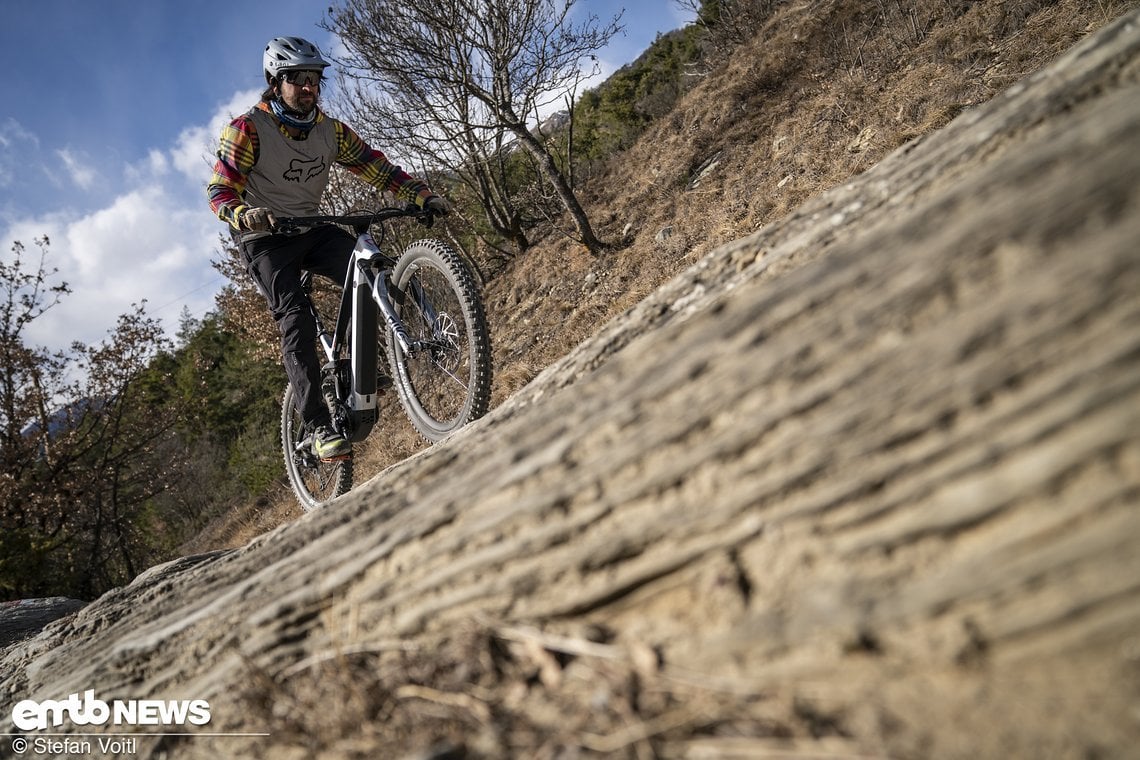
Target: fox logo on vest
[[303, 171]]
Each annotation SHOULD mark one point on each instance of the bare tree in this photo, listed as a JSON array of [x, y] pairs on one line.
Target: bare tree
[[80, 456], [453, 78], [30, 385], [478, 160], [728, 23]]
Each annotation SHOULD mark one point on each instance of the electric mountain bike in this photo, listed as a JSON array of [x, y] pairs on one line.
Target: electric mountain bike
[[418, 311]]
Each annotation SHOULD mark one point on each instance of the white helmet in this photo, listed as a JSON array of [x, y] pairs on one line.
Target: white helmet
[[285, 53]]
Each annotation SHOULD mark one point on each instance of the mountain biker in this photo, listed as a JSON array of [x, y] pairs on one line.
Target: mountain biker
[[274, 161]]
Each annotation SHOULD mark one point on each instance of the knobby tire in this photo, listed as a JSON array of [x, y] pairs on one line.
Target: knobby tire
[[443, 389], [314, 482]]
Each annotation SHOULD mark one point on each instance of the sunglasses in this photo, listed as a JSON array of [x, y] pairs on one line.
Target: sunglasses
[[302, 78]]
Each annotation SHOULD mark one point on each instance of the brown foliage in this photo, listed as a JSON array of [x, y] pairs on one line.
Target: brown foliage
[[78, 463]]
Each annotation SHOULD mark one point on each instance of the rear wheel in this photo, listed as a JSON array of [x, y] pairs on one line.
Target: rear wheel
[[444, 381], [314, 482]]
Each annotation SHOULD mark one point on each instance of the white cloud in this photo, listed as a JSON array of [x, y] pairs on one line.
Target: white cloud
[[81, 174], [193, 152], [16, 144], [14, 133], [147, 245], [335, 48], [153, 241], [155, 164]]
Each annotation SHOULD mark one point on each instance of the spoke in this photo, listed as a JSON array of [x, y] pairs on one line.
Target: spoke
[[431, 348], [450, 374]]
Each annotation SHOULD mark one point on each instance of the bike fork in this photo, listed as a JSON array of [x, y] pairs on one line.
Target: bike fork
[[384, 302]]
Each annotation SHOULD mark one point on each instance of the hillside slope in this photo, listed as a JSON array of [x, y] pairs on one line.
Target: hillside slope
[[822, 92], [863, 483]]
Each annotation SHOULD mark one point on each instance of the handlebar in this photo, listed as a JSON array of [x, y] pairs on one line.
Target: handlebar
[[359, 222]]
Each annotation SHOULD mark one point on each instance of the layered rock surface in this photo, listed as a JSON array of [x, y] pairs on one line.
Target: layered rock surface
[[864, 483]]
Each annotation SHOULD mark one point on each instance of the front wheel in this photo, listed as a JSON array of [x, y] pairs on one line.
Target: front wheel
[[314, 482], [444, 379]]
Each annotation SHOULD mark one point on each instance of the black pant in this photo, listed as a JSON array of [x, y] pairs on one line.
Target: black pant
[[275, 263]]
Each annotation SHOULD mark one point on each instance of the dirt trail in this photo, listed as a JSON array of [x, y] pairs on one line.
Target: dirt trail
[[862, 484]]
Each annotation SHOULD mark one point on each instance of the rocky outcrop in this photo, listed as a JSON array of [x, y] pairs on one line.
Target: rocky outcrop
[[26, 617], [862, 484]]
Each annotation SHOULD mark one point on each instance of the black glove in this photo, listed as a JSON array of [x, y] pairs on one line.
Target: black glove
[[437, 206], [433, 206], [257, 220]]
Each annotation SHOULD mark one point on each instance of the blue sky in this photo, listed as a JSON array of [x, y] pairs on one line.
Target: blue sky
[[107, 125]]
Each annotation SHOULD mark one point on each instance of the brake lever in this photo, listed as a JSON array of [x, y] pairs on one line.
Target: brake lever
[[285, 227], [424, 216]]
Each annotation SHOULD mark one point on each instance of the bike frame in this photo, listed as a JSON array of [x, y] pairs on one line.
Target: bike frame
[[424, 298], [366, 295]]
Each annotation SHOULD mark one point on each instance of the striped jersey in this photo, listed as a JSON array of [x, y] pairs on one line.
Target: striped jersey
[[260, 165]]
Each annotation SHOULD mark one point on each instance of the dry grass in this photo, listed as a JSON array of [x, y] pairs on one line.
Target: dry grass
[[239, 526], [488, 691], [822, 93]]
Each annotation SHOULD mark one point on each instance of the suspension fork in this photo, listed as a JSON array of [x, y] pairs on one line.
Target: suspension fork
[[381, 293], [383, 299]]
